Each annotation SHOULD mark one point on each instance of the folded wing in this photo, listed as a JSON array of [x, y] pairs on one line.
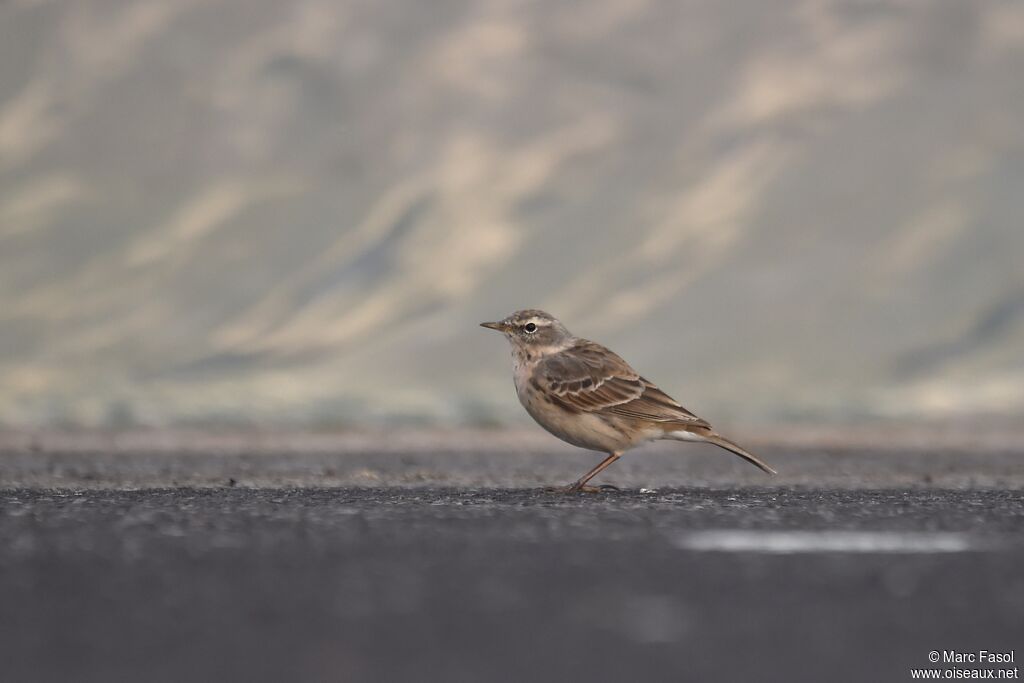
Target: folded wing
[[589, 378]]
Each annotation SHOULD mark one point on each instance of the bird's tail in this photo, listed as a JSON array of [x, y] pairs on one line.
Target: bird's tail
[[722, 442]]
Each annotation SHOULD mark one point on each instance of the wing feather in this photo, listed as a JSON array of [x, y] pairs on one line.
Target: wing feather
[[587, 377]]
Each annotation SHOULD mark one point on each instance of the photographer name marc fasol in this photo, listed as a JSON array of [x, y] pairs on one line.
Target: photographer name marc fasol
[[979, 657]]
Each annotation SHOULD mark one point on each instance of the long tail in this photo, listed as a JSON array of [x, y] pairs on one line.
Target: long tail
[[704, 434], [723, 442]]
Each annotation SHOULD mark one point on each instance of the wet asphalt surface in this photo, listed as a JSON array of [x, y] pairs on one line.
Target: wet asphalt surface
[[480, 584]]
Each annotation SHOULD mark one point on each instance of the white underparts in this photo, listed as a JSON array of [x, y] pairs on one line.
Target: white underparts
[[683, 435]]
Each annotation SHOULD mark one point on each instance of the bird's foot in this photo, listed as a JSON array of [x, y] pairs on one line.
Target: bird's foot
[[581, 488]]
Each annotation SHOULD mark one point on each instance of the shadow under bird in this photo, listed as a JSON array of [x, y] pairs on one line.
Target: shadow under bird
[[588, 396]]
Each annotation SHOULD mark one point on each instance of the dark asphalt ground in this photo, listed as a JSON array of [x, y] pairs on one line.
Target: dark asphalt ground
[[792, 582], [454, 585]]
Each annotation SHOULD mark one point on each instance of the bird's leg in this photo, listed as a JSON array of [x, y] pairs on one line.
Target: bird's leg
[[581, 483]]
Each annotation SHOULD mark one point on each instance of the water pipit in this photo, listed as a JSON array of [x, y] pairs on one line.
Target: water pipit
[[586, 395]]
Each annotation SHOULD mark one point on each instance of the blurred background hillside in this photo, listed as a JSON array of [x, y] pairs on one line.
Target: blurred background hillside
[[297, 212]]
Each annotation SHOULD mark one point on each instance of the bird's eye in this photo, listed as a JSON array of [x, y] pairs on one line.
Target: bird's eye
[[530, 328]]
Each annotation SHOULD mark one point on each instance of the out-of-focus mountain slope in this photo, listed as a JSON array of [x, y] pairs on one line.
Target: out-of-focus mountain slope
[[299, 211]]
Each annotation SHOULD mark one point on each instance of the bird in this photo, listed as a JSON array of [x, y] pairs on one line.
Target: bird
[[588, 396]]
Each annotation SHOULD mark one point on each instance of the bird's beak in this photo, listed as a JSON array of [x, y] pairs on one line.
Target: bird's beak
[[500, 327]]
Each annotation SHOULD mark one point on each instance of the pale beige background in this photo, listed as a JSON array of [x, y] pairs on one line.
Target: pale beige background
[[297, 212]]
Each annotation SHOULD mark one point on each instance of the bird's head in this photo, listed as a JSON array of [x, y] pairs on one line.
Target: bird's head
[[533, 329]]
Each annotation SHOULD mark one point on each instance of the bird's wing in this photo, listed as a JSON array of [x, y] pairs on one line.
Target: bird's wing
[[587, 377]]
